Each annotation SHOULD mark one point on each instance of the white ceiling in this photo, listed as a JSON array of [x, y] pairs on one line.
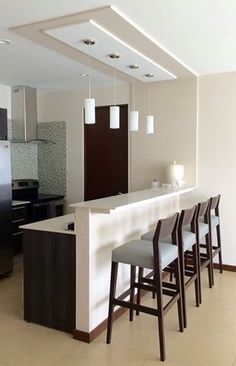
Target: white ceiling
[[201, 34], [107, 43]]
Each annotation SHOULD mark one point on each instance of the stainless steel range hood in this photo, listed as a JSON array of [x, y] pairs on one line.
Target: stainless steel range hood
[[24, 115]]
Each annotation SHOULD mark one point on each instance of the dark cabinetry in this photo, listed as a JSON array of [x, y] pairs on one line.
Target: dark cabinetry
[[20, 216], [49, 279], [3, 124], [47, 210]]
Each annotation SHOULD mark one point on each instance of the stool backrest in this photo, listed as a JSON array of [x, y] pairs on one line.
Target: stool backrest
[[187, 217], [214, 204], [165, 227], [202, 211]]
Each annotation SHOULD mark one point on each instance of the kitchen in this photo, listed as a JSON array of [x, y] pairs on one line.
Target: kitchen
[[59, 164]]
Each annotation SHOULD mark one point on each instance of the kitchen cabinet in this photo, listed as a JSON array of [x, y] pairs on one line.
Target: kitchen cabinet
[[20, 216], [3, 124]]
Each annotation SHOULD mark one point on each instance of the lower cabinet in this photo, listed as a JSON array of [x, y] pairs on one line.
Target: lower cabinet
[[49, 279], [20, 216]]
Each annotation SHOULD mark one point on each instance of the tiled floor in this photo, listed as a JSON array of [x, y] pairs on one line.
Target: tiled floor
[[210, 339]]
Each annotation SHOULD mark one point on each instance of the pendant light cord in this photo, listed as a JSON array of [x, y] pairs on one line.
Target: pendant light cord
[[149, 98], [89, 62], [134, 96], [114, 86]]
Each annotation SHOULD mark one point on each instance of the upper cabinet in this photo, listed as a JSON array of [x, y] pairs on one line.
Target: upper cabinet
[[3, 124]]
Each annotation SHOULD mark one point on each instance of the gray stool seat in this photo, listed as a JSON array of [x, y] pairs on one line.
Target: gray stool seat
[[140, 253], [214, 221], [189, 238]]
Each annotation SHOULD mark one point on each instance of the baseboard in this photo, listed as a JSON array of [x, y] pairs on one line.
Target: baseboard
[[226, 267], [89, 337]]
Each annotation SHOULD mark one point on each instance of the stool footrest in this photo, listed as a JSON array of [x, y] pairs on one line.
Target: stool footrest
[[143, 309]]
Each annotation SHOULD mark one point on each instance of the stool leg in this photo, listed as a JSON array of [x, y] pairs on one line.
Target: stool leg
[[219, 245], [180, 289], [209, 255], [140, 275], [132, 280], [199, 268], [158, 283], [196, 270], [114, 270], [182, 284]]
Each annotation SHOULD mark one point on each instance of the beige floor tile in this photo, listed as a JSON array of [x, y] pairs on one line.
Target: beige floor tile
[[208, 341]]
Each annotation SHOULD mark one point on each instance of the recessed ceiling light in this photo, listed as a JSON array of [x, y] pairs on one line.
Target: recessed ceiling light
[[134, 67], [4, 42], [150, 75], [84, 74], [114, 55], [89, 42]]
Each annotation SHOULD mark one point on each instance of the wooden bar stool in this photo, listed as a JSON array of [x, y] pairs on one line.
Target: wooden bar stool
[[155, 256], [187, 250], [214, 224], [204, 249]]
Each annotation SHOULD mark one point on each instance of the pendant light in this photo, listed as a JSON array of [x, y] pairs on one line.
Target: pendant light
[[149, 117], [89, 103], [114, 110], [134, 115]]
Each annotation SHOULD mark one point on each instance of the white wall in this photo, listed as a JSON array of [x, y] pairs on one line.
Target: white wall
[[217, 151], [174, 106], [67, 106], [5, 98]]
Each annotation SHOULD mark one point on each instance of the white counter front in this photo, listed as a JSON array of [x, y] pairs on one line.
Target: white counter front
[[102, 225]]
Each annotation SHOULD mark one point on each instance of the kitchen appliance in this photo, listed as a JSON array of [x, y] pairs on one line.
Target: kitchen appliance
[[6, 251], [42, 206], [24, 115]]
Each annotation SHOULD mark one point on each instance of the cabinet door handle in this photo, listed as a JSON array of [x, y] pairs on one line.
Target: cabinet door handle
[[19, 233], [19, 220]]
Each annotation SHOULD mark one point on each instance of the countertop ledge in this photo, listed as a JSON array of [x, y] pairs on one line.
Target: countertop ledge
[[126, 201], [54, 225]]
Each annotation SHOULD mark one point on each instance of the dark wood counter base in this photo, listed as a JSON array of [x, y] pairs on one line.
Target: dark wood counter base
[[49, 279]]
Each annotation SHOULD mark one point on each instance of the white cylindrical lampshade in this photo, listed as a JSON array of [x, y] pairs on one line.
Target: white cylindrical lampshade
[[89, 111], [114, 117], [133, 120], [149, 125]]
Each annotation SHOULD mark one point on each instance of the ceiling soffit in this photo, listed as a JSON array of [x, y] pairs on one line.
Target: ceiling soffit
[[109, 19]]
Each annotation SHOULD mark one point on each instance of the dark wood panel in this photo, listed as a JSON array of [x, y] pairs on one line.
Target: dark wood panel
[[49, 279], [3, 124], [106, 155]]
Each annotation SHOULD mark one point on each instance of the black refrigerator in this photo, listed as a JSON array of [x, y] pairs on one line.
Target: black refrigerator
[[6, 252]]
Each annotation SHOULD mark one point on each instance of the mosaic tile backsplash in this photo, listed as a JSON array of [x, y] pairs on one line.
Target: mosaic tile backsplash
[[45, 162], [52, 158], [24, 161]]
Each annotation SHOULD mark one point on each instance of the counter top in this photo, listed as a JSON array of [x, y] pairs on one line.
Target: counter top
[[18, 203], [129, 200], [54, 225]]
